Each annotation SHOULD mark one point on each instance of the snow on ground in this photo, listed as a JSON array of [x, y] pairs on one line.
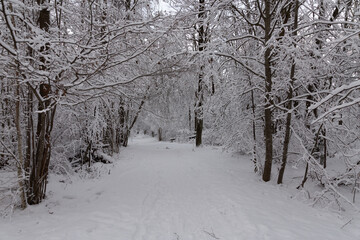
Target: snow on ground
[[169, 191]]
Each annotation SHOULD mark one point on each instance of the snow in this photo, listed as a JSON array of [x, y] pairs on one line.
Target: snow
[[172, 191]]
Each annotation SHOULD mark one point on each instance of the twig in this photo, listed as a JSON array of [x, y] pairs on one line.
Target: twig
[[211, 234], [346, 223]]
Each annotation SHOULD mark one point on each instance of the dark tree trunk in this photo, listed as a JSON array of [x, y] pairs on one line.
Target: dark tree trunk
[[199, 113], [199, 128], [42, 149], [268, 98], [189, 119], [160, 134], [122, 121], [202, 39], [125, 130], [324, 159], [256, 169]]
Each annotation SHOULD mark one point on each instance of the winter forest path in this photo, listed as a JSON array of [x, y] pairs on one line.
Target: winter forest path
[[169, 191]]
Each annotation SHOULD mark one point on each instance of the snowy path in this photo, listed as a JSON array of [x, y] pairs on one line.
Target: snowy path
[[167, 191]]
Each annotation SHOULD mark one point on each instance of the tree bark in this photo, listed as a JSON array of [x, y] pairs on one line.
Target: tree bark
[[160, 134], [29, 136], [42, 150], [202, 39], [199, 113], [20, 163], [268, 98], [255, 161]]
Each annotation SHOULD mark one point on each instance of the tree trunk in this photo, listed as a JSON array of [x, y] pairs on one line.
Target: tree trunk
[[39, 172], [160, 134], [123, 123], [199, 128], [127, 128], [268, 98], [20, 163], [199, 113], [289, 105], [42, 150], [256, 168], [202, 39], [29, 136], [189, 119], [324, 159]]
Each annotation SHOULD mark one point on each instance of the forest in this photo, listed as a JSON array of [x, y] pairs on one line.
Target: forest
[[276, 80]]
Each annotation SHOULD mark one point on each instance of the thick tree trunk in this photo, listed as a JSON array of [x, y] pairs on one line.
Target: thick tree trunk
[[268, 98], [160, 134], [199, 128], [202, 39], [199, 113], [39, 172], [42, 149]]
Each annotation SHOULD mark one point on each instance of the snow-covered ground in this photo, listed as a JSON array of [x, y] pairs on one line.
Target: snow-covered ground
[[169, 191]]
